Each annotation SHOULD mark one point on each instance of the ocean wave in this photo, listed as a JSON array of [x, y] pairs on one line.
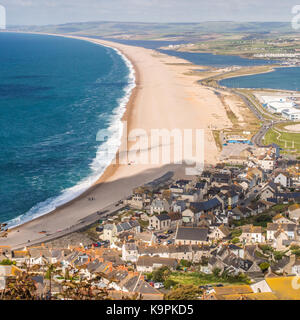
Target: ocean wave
[[98, 165]]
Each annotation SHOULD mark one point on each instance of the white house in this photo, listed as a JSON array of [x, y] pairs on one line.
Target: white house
[[130, 252], [266, 162], [252, 234], [159, 206], [282, 179]]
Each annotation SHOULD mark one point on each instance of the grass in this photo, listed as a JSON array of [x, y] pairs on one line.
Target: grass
[[200, 279], [216, 134], [289, 142]]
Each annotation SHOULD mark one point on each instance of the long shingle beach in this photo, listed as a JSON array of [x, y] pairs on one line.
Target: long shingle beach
[[165, 97]]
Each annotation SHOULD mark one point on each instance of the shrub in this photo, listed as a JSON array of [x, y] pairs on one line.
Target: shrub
[[278, 255], [170, 283], [264, 266], [7, 262], [185, 263], [184, 292], [235, 240]]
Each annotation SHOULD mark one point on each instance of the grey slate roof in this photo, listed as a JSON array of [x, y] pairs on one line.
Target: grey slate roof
[[192, 234], [163, 217]]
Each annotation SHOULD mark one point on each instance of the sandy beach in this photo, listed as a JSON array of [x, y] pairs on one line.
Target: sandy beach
[[166, 96]]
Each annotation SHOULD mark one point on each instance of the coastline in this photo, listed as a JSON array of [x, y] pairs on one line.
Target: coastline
[[119, 115], [119, 177]]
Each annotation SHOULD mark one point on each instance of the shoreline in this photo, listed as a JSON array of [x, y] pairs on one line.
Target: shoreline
[[160, 85], [108, 170]]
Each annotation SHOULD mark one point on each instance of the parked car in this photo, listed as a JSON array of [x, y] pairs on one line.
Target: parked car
[[158, 285]]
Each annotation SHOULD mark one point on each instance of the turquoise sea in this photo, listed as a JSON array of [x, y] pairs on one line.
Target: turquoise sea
[[55, 94]]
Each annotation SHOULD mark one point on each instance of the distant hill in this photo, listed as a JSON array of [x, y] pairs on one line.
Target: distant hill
[[159, 30]]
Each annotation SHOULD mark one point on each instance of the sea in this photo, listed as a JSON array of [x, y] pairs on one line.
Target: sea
[[55, 95]]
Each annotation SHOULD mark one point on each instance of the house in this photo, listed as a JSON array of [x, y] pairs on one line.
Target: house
[[153, 251], [190, 196], [219, 233], [21, 257], [149, 264], [159, 206], [39, 256], [184, 183], [111, 231], [252, 234], [213, 205], [176, 190], [202, 187], [137, 201], [273, 228], [176, 219], [280, 219], [206, 176], [160, 222], [220, 179], [179, 206], [294, 212], [268, 191], [147, 237], [190, 215], [191, 235], [238, 251], [283, 179], [232, 198], [266, 162], [241, 212], [130, 252]]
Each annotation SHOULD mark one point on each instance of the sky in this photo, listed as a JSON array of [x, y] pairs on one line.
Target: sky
[[43, 12]]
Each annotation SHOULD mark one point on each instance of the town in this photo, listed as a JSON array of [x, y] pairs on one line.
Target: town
[[231, 233]]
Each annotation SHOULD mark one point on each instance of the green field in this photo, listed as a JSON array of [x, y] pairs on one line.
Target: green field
[[199, 279], [289, 142]]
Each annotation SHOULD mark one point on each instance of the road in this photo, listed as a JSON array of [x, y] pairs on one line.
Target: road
[[257, 139]]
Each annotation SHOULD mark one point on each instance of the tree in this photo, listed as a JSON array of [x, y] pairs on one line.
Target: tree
[[184, 292], [161, 274], [48, 275]]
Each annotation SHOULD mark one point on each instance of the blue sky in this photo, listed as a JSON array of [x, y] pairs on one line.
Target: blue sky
[[41, 12]]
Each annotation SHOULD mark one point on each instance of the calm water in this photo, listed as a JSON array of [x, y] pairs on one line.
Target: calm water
[[55, 94], [281, 78], [202, 59]]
